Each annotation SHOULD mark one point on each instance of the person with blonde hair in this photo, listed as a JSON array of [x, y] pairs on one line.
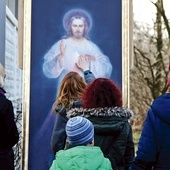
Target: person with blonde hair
[[70, 90], [53, 128], [2, 75], [69, 96], [8, 129]]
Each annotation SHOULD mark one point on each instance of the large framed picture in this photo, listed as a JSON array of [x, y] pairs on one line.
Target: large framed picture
[[106, 40]]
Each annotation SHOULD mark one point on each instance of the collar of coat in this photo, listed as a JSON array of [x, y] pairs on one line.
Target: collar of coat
[[101, 112], [2, 91]]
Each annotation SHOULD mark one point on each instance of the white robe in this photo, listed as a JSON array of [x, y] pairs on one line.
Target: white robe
[[52, 68]]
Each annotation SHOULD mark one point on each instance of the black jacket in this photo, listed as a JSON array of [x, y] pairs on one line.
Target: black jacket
[[113, 133], [154, 144], [8, 130], [58, 139]]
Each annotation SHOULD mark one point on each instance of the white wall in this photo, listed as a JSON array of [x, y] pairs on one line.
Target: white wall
[[13, 81], [2, 32]]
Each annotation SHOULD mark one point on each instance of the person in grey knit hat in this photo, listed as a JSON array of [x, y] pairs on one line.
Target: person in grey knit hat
[[80, 134]]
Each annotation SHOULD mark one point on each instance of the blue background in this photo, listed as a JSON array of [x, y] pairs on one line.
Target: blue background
[[47, 28]]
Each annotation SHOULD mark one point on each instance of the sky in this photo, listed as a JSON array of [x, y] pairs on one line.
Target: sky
[[144, 10]]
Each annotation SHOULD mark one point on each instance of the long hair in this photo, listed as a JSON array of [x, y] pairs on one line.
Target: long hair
[[102, 93], [2, 75], [71, 88]]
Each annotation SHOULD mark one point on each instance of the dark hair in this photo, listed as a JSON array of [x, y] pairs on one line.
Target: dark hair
[[102, 93]]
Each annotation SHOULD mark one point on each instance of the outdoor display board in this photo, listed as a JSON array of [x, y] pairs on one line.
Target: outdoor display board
[[46, 23]]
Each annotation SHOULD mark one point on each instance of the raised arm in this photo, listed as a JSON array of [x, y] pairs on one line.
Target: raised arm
[[83, 64]]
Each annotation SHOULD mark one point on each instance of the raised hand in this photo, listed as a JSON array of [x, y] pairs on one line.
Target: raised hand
[[62, 47], [83, 63], [90, 57], [62, 50]]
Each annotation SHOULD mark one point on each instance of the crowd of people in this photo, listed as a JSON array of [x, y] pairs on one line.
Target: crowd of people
[[92, 129], [101, 104]]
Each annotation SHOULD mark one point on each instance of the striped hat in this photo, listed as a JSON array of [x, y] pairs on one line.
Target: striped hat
[[80, 131]]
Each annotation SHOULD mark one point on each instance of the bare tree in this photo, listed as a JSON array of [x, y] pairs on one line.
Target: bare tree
[[151, 60]]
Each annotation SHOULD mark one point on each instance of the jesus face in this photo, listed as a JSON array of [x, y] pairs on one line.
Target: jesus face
[[77, 27]]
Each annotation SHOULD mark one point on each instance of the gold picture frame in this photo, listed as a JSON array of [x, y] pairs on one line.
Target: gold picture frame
[[25, 18]]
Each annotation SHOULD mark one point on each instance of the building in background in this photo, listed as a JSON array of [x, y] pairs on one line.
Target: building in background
[[9, 51], [9, 59]]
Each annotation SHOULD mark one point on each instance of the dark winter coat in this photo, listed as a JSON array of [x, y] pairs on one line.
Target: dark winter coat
[[8, 132], [58, 139], [154, 144], [113, 133]]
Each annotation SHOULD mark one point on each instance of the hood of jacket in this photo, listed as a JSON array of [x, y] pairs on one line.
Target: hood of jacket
[[106, 121], [81, 157], [161, 107], [2, 91]]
